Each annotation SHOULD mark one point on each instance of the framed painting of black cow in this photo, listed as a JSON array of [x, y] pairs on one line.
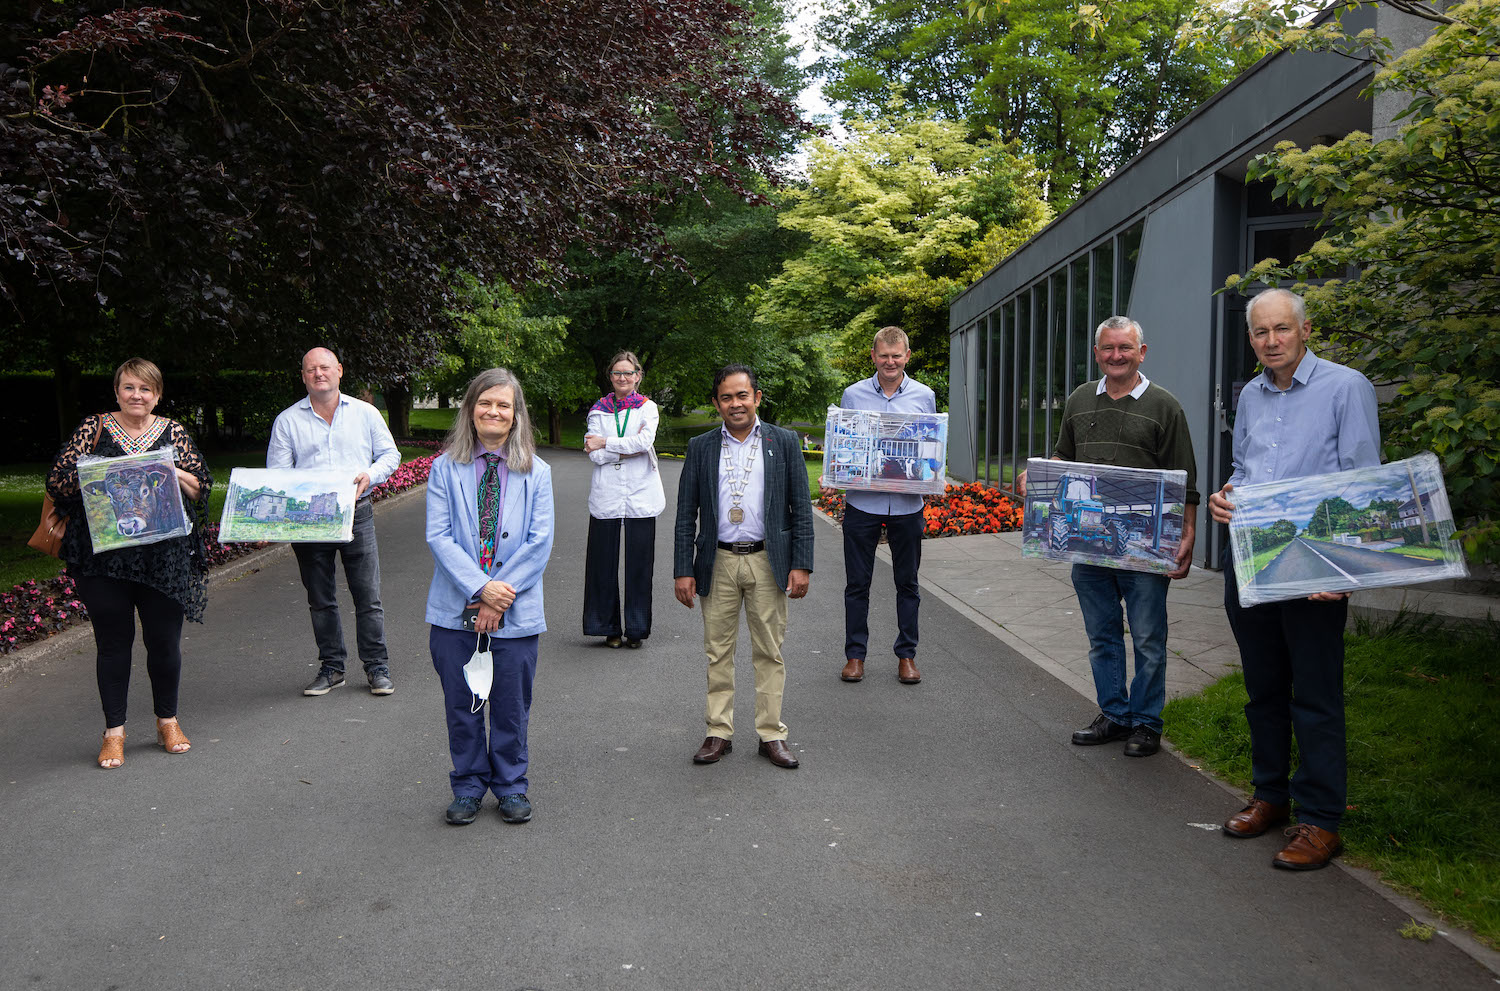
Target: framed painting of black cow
[[291, 505], [132, 500], [1343, 532]]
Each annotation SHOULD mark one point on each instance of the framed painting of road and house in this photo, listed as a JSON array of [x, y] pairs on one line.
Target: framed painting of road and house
[[1350, 530], [886, 452], [1127, 518], [132, 500], [288, 505]]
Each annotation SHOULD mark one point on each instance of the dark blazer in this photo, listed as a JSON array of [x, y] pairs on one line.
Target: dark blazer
[[788, 508]]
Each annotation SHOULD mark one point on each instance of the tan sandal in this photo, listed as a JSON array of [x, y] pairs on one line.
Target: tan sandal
[[113, 749], [171, 737]]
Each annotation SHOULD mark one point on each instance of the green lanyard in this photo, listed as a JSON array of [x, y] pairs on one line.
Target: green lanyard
[[619, 427]]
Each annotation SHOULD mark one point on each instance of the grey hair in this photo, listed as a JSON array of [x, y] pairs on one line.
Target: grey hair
[[1120, 323], [463, 440], [1299, 305], [890, 336]]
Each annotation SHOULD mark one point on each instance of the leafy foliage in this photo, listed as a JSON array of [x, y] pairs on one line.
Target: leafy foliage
[[1414, 218], [899, 218], [1078, 92]]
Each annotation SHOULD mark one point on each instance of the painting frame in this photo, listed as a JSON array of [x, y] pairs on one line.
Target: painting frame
[[288, 506], [1299, 536], [132, 500], [879, 451], [1110, 516]]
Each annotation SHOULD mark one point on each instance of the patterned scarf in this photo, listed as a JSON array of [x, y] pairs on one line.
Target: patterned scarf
[[613, 404]]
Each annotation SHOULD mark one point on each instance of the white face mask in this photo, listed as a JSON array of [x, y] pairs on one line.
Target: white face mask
[[480, 674]]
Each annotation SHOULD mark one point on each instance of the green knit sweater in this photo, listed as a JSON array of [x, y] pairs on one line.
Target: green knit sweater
[[1149, 432]]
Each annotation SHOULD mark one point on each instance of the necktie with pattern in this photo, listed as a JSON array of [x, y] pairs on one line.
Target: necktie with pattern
[[489, 510]]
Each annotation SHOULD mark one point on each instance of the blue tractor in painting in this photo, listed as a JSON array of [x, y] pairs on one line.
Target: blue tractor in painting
[[1077, 513]]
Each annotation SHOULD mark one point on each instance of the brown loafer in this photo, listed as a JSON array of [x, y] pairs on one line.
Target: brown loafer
[[777, 753], [1310, 848], [713, 748], [854, 670], [907, 673], [1256, 818]]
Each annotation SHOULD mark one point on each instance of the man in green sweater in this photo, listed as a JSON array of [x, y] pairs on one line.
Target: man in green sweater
[[1124, 419]]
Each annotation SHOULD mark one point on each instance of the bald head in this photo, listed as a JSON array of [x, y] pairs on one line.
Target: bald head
[[321, 373]]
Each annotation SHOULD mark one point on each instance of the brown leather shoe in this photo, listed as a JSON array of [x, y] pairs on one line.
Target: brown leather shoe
[[1256, 818], [907, 671], [1310, 848], [777, 753], [713, 748], [854, 670]]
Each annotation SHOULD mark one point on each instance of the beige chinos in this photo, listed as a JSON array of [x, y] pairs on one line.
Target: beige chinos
[[747, 579]]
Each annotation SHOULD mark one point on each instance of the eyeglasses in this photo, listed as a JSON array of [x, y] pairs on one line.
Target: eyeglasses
[[622, 375]]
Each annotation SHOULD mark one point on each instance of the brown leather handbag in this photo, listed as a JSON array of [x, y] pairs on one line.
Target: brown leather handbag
[[49, 532]]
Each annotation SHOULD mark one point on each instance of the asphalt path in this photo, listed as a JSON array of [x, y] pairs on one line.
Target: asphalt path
[[1321, 560], [944, 835]]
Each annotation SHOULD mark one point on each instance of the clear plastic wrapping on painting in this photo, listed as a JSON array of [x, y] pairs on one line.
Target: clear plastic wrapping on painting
[[132, 500], [885, 452], [1126, 518], [288, 505], [1355, 529]]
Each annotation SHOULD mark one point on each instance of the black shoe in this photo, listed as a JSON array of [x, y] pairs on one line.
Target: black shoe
[[1101, 730], [1143, 742], [464, 810], [613, 642], [325, 682], [632, 642], [380, 684], [515, 808]]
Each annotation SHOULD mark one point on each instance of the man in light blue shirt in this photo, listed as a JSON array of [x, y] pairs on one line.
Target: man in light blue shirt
[[1302, 416], [331, 430], [889, 390]]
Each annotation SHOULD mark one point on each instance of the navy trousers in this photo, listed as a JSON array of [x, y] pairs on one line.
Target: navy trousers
[[1292, 654], [601, 577], [499, 763], [861, 534]]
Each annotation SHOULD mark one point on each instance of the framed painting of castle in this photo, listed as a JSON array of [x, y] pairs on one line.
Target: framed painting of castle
[[288, 505], [885, 452], [1114, 517], [1345, 531]]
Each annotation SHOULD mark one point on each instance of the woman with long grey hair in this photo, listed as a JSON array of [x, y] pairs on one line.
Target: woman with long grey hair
[[489, 526]]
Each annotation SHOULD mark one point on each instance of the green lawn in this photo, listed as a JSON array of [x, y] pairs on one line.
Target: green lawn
[[1424, 761]]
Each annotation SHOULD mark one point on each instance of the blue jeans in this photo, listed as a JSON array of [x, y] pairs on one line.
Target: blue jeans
[[861, 535], [362, 572], [1100, 591]]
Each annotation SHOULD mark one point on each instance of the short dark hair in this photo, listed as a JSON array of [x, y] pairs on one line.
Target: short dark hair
[[729, 370]]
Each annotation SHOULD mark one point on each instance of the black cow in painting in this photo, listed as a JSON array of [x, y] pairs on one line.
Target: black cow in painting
[[140, 499]]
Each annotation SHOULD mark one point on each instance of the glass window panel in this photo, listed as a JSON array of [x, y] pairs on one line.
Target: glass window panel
[[1022, 381], [1080, 369], [1037, 433], [1001, 353], [978, 334], [1130, 251], [1057, 392], [1104, 283]]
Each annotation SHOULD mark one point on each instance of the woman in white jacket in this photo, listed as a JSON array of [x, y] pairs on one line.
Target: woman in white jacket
[[626, 494]]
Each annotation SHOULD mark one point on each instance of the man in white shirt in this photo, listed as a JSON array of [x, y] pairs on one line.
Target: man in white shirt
[[331, 430], [744, 537]]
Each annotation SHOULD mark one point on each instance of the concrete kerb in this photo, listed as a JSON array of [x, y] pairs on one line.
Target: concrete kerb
[[1083, 686], [22, 660]]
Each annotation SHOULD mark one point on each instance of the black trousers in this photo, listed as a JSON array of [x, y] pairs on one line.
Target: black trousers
[[113, 604], [1292, 654], [861, 535], [601, 583]]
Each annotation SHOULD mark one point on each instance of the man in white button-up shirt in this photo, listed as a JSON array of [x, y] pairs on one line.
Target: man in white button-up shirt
[[331, 430]]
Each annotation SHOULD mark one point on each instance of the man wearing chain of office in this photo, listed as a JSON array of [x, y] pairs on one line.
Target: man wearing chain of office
[[743, 537]]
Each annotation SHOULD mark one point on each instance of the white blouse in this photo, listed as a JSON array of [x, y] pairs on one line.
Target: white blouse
[[626, 482]]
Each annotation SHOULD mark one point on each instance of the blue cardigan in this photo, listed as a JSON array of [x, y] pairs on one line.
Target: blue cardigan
[[521, 552]]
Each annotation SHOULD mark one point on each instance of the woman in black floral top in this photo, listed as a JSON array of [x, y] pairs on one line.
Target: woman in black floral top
[[164, 582]]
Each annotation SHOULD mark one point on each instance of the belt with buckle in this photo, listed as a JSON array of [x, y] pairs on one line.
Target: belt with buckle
[[742, 546]]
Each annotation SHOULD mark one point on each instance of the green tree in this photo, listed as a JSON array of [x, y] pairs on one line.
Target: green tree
[[899, 219], [1414, 219], [1080, 94]]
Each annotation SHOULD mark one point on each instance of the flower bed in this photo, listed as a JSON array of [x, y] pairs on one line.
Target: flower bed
[[963, 509], [34, 610]]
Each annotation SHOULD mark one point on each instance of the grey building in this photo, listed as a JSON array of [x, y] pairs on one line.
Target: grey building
[[1154, 242]]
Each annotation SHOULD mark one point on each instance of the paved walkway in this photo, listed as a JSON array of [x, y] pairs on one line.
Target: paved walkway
[[942, 836]]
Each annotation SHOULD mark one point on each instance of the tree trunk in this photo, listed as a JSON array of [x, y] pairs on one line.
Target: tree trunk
[[67, 379], [398, 408], [554, 424]]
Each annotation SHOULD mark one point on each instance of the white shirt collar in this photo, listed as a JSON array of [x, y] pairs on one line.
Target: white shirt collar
[[1136, 393]]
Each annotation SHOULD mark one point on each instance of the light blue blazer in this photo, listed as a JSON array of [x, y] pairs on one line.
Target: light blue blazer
[[521, 553]]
